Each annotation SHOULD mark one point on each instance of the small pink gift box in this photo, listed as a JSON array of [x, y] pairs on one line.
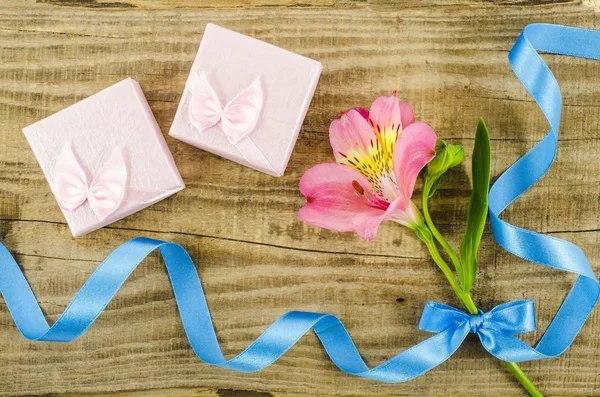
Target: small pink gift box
[[104, 157], [245, 100]]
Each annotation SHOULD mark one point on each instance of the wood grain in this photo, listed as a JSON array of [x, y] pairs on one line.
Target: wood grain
[[256, 259]]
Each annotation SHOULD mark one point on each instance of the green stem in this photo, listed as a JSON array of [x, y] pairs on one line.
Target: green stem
[[523, 379], [438, 236], [464, 297]]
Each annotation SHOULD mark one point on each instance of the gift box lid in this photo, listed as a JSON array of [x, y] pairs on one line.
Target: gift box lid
[[245, 100], [104, 157]]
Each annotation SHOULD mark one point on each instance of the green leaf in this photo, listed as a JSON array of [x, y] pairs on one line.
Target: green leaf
[[478, 206]]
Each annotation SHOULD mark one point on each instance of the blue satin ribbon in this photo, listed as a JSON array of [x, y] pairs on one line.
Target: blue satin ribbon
[[496, 328], [546, 250]]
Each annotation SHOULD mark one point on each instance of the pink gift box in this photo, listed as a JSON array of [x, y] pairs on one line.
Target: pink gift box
[[245, 100], [104, 157]]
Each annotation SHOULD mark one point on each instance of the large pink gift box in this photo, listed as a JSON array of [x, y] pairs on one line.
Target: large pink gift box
[[245, 100], [104, 157]]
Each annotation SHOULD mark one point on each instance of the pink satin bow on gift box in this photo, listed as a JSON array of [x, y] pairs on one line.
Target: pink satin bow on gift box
[[237, 119], [105, 192]]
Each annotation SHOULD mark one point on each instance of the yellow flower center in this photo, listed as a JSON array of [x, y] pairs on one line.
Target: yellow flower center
[[376, 164]]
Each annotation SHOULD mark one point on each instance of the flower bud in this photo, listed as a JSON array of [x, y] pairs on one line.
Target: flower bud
[[446, 157]]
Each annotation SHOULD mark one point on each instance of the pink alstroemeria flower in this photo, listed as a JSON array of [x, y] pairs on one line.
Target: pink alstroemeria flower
[[379, 154]]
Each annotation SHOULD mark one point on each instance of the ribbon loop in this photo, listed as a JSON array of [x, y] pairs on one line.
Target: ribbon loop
[[512, 318], [437, 317]]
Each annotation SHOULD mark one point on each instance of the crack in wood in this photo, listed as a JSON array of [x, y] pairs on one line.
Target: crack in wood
[[4, 29], [88, 3], [226, 239], [242, 393]]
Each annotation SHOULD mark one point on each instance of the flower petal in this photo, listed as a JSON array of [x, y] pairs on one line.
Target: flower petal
[[407, 114], [338, 199], [355, 144], [404, 212], [386, 122], [414, 149], [363, 112], [351, 133], [385, 112]]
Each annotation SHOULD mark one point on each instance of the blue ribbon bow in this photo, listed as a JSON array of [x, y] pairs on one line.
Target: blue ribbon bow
[[496, 328]]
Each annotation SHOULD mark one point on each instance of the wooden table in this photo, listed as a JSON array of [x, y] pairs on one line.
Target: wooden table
[[257, 260]]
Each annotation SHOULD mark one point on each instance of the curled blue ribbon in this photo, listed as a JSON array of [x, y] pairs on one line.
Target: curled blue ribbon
[[495, 328], [525, 172]]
